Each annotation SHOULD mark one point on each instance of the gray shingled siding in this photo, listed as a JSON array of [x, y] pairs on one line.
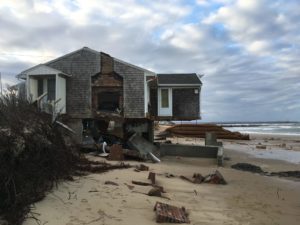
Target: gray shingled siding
[[185, 103], [133, 85], [81, 65]]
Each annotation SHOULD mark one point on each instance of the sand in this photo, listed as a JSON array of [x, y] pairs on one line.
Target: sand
[[246, 199]]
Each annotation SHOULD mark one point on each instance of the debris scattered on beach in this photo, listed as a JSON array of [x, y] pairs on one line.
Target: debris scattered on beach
[[261, 146], [256, 169], [151, 177], [199, 130], [215, 178], [166, 213], [141, 183], [155, 192], [111, 183], [142, 167], [295, 174], [116, 153], [197, 178]]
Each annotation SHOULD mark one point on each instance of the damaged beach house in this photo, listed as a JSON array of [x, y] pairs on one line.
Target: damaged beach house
[[97, 95]]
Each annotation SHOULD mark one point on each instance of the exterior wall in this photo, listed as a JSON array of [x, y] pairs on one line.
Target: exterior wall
[[81, 65], [186, 103], [133, 85]]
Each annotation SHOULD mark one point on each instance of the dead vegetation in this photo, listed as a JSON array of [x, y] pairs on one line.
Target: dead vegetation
[[34, 157]]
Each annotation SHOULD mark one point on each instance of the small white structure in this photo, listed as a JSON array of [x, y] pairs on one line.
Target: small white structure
[[46, 85]]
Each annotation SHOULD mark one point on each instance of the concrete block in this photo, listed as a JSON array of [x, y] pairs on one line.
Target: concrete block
[[188, 150], [210, 138]]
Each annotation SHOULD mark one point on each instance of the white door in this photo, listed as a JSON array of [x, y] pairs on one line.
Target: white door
[[165, 101]]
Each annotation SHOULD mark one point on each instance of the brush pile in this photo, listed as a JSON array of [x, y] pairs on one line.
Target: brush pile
[[199, 130], [34, 157]]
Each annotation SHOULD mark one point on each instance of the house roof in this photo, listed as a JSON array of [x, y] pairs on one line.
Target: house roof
[[40, 69], [178, 79], [148, 72]]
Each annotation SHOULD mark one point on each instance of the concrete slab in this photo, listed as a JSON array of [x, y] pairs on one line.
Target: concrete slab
[[192, 151]]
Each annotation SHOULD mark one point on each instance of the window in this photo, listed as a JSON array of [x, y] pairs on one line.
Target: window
[[40, 87], [164, 98], [108, 101], [51, 89]]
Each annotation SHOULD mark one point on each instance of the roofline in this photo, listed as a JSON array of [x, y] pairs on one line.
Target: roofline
[[56, 59], [83, 48], [134, 66], [175, 73], [199, 77], [179, 85]]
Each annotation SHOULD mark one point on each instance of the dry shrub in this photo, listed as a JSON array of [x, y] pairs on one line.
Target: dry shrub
[[33, 157]]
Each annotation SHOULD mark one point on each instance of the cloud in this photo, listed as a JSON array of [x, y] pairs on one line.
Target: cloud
[[247, 49]]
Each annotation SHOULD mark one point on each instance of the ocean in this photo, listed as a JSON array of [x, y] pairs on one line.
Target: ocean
[[283, 128]]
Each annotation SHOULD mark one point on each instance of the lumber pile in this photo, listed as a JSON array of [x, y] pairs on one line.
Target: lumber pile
[[199, 130]]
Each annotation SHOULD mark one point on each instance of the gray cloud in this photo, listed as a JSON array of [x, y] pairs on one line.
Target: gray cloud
[[248, 50]]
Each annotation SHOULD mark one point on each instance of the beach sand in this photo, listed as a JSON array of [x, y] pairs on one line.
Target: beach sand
[[247, 198]]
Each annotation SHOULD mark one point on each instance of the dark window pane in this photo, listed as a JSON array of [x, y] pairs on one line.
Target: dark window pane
[[51, 88], [40, 87], [108, 101], [164, 98]]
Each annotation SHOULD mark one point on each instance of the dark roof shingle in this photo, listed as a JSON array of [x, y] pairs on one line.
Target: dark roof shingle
[[178, 78]]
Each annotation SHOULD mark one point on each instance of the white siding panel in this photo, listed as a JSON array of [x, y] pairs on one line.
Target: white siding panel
[[61, 94]]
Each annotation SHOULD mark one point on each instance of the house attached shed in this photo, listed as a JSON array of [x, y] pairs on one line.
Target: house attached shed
[[178, 96]]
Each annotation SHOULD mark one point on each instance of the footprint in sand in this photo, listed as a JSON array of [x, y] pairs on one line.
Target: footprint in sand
[[84, 200]]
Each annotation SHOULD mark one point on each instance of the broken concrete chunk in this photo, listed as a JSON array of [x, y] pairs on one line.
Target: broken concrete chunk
[[155, 192], [166, 213], [142, 145], [215, 178]]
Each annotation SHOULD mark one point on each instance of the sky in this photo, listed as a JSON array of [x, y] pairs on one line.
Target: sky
[[248, 50]]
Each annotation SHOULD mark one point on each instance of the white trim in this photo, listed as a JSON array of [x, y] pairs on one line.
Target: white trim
[[169, 110], [44, 70]]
